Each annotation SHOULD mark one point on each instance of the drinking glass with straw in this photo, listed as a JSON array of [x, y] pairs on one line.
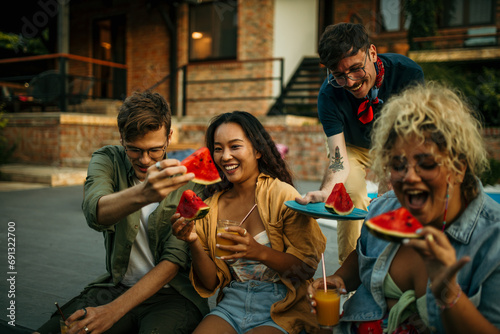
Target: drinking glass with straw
[[327, 303], [222, 224], [62, 321]]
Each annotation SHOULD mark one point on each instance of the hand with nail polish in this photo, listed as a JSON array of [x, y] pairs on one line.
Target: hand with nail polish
[[439, 258], [183, 229]]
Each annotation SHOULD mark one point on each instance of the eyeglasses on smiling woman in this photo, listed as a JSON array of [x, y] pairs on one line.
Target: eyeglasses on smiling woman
[[355, 75], [426, 168], [153, 153]]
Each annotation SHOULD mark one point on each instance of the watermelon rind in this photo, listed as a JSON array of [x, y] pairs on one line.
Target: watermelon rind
[[339, 198], [390, 234], [202, 165], [338, 212], [205, 182], [202, 212], [191, 206]]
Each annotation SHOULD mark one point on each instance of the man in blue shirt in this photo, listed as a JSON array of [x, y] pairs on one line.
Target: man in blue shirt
[[358, 82]]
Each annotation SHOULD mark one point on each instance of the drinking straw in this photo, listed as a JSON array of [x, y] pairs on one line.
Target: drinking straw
[[61, 312], [324, 271], [248, 214]]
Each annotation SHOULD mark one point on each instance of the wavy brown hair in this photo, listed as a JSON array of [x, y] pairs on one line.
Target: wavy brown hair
[[141, 113], [439, 114]]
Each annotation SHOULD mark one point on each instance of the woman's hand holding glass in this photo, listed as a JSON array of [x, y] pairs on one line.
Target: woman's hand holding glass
[[245, 245], [332, 281]]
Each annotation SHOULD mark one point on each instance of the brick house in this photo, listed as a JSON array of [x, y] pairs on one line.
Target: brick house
[[208, 57]]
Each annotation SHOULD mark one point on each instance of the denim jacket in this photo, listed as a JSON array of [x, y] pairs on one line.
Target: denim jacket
[[476, 233]]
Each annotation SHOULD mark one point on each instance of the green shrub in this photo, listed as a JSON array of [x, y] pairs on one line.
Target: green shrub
[[423, 23], [6, 150], [492, 176], [481, 87]]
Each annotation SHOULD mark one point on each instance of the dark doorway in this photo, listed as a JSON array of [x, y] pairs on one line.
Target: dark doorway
[[325, 16], [109, 44]]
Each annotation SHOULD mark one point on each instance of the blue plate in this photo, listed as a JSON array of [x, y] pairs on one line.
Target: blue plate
[[317, 210]]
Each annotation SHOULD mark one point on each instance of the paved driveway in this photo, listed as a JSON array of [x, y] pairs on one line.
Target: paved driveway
[[57, 254]]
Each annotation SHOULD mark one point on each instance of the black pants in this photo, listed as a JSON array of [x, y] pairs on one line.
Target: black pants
[[165, 312]]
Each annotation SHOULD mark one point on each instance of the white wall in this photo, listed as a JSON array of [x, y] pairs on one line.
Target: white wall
[[295, 34]]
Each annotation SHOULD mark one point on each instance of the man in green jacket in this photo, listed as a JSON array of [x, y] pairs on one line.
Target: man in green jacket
[[130, 193]]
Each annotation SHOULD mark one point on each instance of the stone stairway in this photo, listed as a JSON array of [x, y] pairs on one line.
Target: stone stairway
[[300, 95]]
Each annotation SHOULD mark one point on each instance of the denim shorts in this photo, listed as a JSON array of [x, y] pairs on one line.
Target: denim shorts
[[247, 305]]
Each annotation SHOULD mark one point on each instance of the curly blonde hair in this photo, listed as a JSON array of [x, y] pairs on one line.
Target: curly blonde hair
[[439, 114]]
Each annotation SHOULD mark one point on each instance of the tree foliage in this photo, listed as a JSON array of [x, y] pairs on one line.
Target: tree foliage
[[480, 87], [423, 21], [17, 44]]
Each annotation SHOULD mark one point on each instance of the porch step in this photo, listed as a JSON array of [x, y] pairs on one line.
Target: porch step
[[101, 107], [42, 175]]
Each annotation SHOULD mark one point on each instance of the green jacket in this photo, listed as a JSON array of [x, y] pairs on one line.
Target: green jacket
[[110, 171]]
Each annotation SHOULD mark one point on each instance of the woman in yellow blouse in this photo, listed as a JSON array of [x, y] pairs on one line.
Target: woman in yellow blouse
[[262, 284]]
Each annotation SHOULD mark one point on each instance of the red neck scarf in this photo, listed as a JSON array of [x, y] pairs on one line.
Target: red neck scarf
[[365, 109]]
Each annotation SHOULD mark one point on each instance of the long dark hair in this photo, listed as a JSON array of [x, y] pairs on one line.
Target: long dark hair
[[271, 162]]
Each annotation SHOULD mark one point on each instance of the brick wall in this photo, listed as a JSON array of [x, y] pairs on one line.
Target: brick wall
[[305, 140], [55, 139], [68, 140], [148, 53], [255, 42], [36, 139], [147, 48]]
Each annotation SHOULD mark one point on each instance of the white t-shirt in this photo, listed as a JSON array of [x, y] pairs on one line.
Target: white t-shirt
[[141, 259]]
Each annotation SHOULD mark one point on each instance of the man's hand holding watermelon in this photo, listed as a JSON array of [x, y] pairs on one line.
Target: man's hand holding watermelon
[[163, 178]]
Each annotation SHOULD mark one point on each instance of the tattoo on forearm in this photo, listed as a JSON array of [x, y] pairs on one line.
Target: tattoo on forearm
[[337, 164]]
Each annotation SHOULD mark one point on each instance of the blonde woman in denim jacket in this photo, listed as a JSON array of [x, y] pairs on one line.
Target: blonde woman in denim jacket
[[428, 143]]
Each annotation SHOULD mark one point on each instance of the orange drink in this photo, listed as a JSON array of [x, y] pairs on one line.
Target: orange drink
[[64, 327], [221, 228], [327, 307]]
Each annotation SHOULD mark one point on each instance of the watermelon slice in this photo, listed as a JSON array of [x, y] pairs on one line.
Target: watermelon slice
[[394, 225], [202, 165], [191, 206], [339, 201]]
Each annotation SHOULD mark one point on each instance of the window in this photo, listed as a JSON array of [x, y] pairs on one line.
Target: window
[[212, 30], [392, 16], [467, 12]]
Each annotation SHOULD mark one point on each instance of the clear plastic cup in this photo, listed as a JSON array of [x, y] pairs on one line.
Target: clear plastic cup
[[221, 228], [327, 306]]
